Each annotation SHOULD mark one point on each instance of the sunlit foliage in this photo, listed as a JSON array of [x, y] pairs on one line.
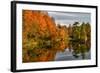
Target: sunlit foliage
[[42, 38]]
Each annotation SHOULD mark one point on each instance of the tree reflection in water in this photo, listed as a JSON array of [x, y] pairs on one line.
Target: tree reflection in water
[[80, 39], [42, 38]]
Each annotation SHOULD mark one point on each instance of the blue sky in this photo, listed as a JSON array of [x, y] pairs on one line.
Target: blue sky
[[70, 17]]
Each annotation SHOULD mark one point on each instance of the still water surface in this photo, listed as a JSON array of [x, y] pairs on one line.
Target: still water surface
[[67, 55]]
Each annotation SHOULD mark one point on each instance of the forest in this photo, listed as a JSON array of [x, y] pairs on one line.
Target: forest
[[42, 38]]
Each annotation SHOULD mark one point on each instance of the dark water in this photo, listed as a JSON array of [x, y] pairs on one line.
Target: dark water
[[67, 55]]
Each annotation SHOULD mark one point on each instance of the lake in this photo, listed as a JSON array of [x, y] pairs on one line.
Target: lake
[[67, 55]]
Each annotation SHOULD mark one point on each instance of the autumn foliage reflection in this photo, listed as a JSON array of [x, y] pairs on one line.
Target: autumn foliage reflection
[[42, 38]]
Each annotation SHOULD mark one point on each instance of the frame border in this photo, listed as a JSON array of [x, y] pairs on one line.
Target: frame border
[[13, 35]]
